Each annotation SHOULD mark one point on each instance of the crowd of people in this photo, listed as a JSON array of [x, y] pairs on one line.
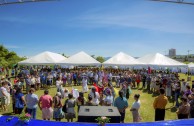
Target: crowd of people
[[104, 85]]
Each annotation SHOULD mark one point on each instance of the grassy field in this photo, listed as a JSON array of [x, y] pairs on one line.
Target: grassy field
[[146, 110]]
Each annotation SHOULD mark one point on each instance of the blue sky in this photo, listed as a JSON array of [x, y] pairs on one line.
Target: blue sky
[[99, 27]]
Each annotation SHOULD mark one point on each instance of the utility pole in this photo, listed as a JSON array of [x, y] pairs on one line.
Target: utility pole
[[188, 54]]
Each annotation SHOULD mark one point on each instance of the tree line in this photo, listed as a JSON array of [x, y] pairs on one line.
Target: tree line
[[8, 58]]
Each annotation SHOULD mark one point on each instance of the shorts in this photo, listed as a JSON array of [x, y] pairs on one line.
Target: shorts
[[47, 113], [3, 100]]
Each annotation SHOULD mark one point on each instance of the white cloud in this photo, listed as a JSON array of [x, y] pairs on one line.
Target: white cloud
[[12, 46], [163, 19]]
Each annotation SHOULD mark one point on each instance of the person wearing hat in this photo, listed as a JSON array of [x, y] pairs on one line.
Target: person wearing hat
[[57, 113], [31, 103], [183, 110]]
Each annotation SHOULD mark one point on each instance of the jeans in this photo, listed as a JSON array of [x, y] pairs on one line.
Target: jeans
[[177, 98], [32, 112]]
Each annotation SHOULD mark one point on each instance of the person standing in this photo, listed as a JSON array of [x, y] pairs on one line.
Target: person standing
[[31, 103], [177, 92], [59, 84], [192, 85], [183, 110], [192, 106], [45, 104], [135, 108], [121, 103], [84, 85], [70, 105], [3, 95], [159, 105], [108, 101], [19, 101], [28, 83], [58, 113], [95, 96], [81, 100]]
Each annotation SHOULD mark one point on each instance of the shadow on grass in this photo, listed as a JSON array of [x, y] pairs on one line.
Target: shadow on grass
[[8, 113]]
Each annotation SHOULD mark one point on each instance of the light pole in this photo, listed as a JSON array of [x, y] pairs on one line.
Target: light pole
[[188, 54]]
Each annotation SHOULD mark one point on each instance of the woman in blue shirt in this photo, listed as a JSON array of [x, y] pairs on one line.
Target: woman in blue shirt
[[121, 103], [19, 101]]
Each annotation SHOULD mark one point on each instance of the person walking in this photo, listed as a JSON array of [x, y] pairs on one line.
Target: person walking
[[31, 103], [45, 104], [159, 105]]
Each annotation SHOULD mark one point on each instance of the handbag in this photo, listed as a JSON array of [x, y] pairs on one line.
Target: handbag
[[64, 109]]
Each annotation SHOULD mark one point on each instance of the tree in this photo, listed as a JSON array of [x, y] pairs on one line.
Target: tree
[[8, 58], [100, 59]]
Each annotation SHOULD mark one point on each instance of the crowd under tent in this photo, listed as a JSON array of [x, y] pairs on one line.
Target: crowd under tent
[[122, 60], [44, 58], [80, 59]]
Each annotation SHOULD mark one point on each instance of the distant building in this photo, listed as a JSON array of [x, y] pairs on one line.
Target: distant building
[[172, 52]]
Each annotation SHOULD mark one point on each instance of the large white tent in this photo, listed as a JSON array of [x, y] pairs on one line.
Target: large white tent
[[158, 59], [80, 58], [122, 59], [191, 65], [44, 58]]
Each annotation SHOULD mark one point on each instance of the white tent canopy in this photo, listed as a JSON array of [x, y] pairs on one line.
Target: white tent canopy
[[158, 59], [122, 59], [80, 58], [191, 65], [44, 58]]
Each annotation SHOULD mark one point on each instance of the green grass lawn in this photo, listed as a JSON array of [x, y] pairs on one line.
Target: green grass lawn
[[146, 110]]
